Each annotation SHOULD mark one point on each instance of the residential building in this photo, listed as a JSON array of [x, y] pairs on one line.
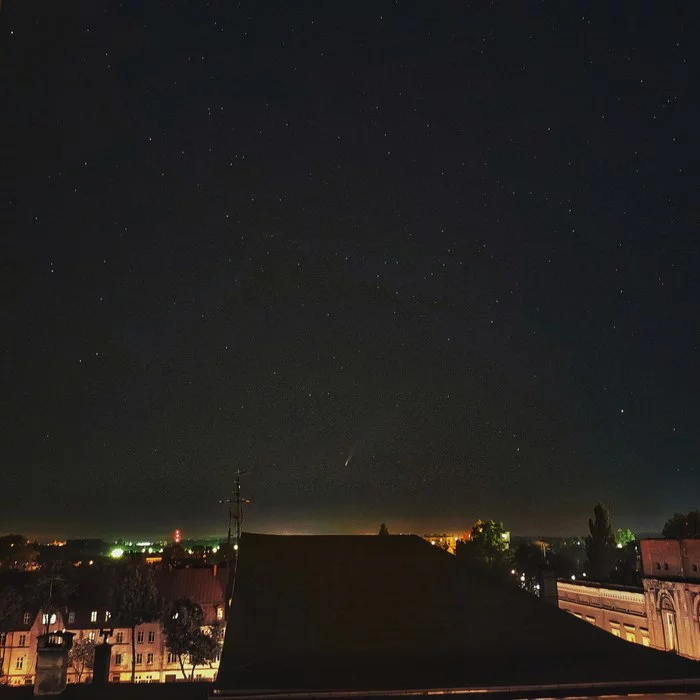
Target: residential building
[[90, 615]]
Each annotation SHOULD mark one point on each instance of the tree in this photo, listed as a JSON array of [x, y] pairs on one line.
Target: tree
[[490, 537], [81, 657], [682, 526], [186, 637], [623, 537], [16, 552], [10, 609], [136, 601], [383, 529], [600, 544]]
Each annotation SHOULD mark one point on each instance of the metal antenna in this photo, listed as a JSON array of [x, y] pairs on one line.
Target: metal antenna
[[237, 500]]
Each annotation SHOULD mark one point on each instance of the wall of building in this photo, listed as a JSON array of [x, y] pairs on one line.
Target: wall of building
[[154, 664], [618, 610], [671, 559]]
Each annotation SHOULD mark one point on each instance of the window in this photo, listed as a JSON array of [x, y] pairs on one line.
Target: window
[[139, 637], [118, 659], [139, 658], [22, 640], [151, 637], [19, 664], [27, 618], [658, 566], [120, 637], [630, 637], [590, 619], [172, 658], [615, 628], [695, 567], [46, 618], [665, 566], [107, 615], [93, 616], [219, 613], [149, 658], [91, 635], [71, 617]]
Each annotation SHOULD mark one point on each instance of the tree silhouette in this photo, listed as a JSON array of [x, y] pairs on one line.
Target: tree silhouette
[[682, 526], [186, 637], [600, 544], [383, 529], [136, 601], [81, 656]]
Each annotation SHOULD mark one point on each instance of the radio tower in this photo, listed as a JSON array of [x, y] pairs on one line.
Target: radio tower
[[235, 515]]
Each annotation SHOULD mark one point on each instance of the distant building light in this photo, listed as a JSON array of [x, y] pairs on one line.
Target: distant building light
[[522, 577], [116, 553], [143, 544], [235, 546], [573, 577], [513, 572], [583, 574]]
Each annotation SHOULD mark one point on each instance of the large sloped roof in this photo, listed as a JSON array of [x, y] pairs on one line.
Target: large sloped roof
[[394, 612]]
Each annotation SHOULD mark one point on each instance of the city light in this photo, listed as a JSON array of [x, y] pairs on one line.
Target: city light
[[116, 553]]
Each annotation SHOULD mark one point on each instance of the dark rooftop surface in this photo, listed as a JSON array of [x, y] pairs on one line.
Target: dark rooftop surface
[[312, 612]]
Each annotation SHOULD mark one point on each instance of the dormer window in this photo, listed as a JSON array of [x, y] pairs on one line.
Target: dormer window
[[93, 616], [27, 618]]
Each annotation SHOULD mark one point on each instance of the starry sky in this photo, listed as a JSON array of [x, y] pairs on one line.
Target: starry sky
[[404, 262]]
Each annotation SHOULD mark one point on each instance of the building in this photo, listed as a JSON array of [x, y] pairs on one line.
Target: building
[[663, 614], [446, 542], [620, 610], [672, 594], [90, 614], [367, 612]]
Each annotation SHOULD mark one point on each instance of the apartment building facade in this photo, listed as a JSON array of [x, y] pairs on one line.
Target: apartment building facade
[[90, 617]]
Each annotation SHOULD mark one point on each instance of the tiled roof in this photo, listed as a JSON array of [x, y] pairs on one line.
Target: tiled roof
[[201, 585], [394, 612]]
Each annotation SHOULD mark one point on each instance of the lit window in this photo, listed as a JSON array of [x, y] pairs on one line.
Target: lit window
[[27, 618], [71, 617], [219, 613], [45, 619], [22, 640], [118, 659], [139, 637], [107, 615], [19, 664], [149, 658], [91, 635], [151, 637], [53, 618], [120, 637], [93, 616], [139, 658]]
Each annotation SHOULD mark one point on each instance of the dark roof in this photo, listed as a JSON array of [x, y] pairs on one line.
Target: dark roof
[[395, 612], [204, 586]]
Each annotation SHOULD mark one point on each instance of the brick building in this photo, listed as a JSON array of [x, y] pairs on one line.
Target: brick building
[[672, 594]]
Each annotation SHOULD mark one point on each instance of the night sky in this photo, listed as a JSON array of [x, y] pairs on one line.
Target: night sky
[[413, 263]]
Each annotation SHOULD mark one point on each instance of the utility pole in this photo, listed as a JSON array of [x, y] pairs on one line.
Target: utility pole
[[234, 515]]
